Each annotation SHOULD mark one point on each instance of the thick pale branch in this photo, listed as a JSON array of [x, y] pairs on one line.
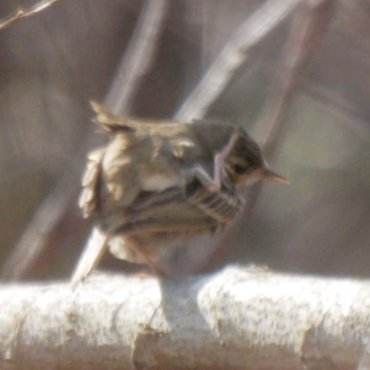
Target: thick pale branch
[[235, 319]]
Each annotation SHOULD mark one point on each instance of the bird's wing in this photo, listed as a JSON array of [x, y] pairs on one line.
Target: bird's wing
[[221, 205]]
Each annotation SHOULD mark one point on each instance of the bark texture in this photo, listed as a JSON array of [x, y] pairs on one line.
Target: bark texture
[[235, 319]]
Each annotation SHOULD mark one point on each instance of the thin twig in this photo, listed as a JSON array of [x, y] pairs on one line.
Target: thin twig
[[308, 28], [22, 13], [53, 209]]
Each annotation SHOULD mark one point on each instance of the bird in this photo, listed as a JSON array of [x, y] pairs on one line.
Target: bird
[[159, 183]]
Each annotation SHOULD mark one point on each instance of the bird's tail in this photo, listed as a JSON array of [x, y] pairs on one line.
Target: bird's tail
[[110, 122], [92, 254]]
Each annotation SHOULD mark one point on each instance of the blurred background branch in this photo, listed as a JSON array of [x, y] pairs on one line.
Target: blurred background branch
[[236, 51], [307, 30], [48, 217], [311, 85]]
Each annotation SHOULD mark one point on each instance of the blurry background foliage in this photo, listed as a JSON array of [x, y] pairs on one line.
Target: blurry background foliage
[[52, 64]]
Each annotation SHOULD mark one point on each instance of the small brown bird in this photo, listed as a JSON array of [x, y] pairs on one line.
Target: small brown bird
[[156, 184]]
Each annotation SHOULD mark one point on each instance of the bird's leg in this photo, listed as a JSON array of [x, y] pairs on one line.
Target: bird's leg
[[131, 232], [140, 249]]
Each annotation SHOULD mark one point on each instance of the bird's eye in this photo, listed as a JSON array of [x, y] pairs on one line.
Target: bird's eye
[[239, 169]]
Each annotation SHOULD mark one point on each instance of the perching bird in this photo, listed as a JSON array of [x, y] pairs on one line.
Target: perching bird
[[156, 184]]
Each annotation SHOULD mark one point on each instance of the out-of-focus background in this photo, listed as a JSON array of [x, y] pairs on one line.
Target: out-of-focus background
[[52, 64]]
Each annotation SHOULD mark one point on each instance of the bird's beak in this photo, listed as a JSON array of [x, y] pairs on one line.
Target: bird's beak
[[273, 176]]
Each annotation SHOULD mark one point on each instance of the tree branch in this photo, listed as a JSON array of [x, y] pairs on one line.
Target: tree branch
[[251, 33], [22, 13], [138, 57], [235, 319]]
